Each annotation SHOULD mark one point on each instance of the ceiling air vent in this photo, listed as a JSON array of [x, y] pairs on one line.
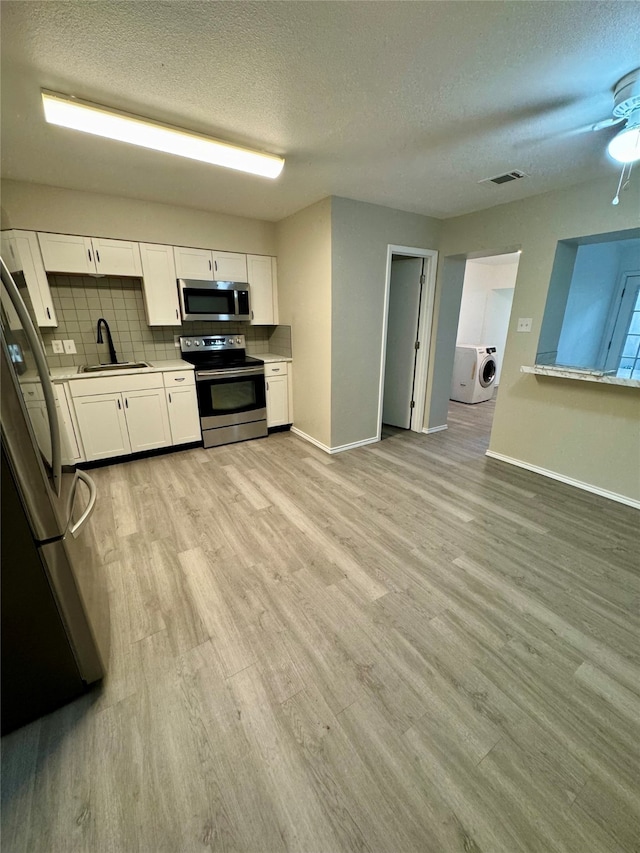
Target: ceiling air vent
[[506, 178]]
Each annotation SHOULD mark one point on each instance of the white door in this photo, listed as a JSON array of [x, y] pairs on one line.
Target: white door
[[116, 257], [259, 276], [103, 427], [67, 253], [182, 404], [402, 330], [35, 277], [229, 266], [147, 419], [159, 285], [193, 263], [277, 401]]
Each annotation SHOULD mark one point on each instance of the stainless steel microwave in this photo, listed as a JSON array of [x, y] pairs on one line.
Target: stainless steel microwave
[[214, 300]]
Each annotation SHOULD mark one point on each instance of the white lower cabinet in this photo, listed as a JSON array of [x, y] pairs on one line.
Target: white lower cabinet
[[103, 425], [118, 415], [182, 405], [147, 419], [278, 394]]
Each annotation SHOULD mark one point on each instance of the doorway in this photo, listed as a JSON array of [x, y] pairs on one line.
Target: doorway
[[483, 324], [410, 288]]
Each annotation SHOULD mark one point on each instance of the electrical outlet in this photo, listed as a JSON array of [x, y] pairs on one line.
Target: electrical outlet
[[524, 324], [69, 347], [57, 347]]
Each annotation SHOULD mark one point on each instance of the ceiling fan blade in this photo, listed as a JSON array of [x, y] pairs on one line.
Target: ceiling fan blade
[[608, 122]]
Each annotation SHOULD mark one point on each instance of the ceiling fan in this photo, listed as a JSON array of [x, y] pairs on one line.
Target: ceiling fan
[[625, 145]]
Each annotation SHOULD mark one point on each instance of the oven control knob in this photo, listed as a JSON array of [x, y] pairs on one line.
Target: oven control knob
[[197, 343], [187, 343]]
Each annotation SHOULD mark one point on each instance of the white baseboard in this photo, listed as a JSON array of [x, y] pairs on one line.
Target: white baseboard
[[332, 450], [435, 429], [553, 475]]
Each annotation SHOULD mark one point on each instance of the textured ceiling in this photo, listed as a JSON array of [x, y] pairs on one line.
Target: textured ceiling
[[404, 104]]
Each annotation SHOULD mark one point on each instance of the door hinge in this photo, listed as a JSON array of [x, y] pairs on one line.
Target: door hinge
[[423, 278], [412, 404], [416, 345]]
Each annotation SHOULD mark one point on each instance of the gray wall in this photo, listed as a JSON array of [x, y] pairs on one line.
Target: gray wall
[[304, 294], [579, 430], [360, 235], [35, 207]]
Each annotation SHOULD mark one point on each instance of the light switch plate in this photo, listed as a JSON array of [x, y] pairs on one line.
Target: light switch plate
[[524, 324], [57, 347], [69, 347]]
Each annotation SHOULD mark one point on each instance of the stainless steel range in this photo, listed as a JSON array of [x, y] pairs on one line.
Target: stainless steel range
[[230, 386]]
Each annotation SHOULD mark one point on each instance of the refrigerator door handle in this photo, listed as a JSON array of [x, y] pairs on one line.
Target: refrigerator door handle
[[43, 373], [75, 529]]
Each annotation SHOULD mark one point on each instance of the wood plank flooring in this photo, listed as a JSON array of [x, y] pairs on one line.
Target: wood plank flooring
[[404, 648]]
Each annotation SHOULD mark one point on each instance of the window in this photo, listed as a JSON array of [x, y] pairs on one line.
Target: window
[[592, 319]]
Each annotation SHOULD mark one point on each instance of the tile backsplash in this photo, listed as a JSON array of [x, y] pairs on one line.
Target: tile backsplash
[[79, 302]]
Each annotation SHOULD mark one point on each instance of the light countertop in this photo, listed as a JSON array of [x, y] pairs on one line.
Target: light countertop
[[269, 356], [582, 375], [61, 374]]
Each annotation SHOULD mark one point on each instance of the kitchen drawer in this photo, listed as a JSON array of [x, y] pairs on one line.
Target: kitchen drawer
[[179, 378], [115, 384], [276, 368]]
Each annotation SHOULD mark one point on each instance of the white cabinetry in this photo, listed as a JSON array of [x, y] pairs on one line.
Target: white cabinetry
[[147, 418], [279, 409], [70, 253], [229, 266], [182, 405], [209, 266], [121, 414], [159, 285], [21, 253], [103, 426], [261, 275], [193, 263]]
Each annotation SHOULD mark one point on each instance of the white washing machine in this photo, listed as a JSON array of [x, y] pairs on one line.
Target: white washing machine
[[474, 374]]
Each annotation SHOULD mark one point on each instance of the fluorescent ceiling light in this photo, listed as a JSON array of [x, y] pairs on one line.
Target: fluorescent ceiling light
[[625, 145], [112, 124]]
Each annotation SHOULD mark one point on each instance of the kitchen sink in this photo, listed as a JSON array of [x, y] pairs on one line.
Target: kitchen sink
[[121, 365]]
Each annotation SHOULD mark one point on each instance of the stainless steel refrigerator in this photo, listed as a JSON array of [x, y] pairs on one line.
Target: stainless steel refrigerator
[[55, 609]]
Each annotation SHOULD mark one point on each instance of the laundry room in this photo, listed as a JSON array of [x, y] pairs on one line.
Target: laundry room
[[487, 295]]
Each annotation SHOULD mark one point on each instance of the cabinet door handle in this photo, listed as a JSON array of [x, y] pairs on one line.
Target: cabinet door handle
[[89, 253], [177, 315], [119, 404], [178, 379], [209, 266], [169, 397], [48, 313], [275, 369], [267, 386], [216, 265], [98, 255], [126, 403], [252, 315]]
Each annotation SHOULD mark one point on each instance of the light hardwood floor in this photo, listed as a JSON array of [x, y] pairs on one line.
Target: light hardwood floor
[[406, 647]]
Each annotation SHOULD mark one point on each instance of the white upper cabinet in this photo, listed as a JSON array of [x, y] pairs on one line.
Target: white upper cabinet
[[22, 254], [159, 285], [229, 266], [264, 298], [116, 257], [69, 253], [193, 263], [208, 266]]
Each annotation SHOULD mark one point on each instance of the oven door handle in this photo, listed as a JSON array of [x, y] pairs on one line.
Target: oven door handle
[[230, 374]]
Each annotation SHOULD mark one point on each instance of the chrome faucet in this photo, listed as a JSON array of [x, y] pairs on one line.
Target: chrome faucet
[[112, 350]]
